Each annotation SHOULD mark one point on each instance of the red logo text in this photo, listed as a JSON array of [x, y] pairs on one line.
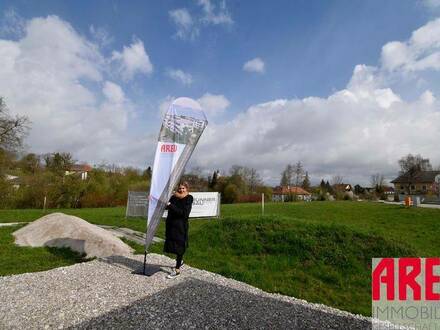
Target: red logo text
[[168, 148], [408, 271]]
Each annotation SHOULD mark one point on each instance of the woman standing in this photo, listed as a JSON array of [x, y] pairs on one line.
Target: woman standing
[[176, 229]]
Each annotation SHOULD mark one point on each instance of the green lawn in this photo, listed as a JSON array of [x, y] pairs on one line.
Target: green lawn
[[16, 259], [318, 251]]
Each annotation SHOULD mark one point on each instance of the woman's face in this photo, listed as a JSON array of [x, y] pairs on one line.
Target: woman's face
[[182, 189]]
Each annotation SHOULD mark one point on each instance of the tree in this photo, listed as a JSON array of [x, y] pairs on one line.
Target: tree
[[358, 190], [337, 179], [230, 194], [298, 172], [30, 163], [378, 182], [322, 186], [287, 176], [411, 166], [306, 182], [253, 179], [214, 179], [12, 129], [329, 188], [249, 177], [58, 162], [147, 174]]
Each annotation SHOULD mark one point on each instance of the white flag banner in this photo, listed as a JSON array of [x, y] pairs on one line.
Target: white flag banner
[[181, 129]]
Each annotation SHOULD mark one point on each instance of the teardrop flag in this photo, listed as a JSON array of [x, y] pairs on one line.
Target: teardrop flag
[[182, 126]]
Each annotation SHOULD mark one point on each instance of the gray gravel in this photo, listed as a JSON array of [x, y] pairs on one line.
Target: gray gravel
[[110, 294]]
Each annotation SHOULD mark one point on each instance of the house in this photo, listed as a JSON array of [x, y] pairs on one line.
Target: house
[[342, 187], [422, 183], [79, 169], [388, 191], [14, 180], [287, 193]]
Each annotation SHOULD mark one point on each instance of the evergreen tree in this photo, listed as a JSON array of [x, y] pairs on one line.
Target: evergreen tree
[[323, 186], [213, 180], [328, 187], [147, 173], [306, 182]]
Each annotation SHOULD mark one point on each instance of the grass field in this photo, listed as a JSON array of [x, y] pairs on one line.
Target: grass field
[[319, 251]]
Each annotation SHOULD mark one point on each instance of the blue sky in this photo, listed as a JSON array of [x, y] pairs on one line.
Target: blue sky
[[291, 37], [299, 50]]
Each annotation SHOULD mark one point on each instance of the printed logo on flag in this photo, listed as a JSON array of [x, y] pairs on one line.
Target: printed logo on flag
[[406, 292], [168, 148]]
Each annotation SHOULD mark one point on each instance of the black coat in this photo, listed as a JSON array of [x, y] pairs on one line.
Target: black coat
[[176, 229]]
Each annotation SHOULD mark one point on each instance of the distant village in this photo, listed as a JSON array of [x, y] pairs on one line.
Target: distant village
[[56, 180]]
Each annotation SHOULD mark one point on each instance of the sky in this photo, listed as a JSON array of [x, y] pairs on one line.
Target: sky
[[347, 87]]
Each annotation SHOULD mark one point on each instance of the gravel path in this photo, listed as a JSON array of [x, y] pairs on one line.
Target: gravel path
[[110, 294]]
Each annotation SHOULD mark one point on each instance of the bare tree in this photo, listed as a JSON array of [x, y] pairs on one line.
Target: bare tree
[[253, 179], [287, 176], [12, 129], [337, 179], [249, 175], [377, 182], [298, 174]]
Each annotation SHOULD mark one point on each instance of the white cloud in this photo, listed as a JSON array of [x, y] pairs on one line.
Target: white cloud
[[113, 92], [213, 105], [359, 130], [189, 25], [57, 78], [420, 52], [180, 76], [186, 28], [254, 65], [215, 14], [133, 59], [101, 36]]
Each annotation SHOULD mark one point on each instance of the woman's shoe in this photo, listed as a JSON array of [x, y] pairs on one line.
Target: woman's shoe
[[173, 274]]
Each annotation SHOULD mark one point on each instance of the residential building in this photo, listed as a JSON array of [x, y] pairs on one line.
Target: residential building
[[423, 183], [79, 169], [287, 193]]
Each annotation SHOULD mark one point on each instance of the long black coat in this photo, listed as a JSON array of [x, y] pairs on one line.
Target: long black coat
[[176, 229]]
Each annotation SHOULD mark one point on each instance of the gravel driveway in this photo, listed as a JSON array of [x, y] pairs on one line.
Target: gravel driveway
[[109, 293]]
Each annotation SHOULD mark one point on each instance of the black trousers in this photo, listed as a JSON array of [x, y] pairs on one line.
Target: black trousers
[[179, 260]]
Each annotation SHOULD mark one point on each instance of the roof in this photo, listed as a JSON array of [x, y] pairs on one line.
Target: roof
[[342, 186], [422, 177], [80, 168], [285, 190]]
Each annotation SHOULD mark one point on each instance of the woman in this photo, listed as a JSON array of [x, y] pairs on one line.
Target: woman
[[176, 229]]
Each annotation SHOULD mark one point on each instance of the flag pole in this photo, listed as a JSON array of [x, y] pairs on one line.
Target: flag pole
[[145, 263]]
